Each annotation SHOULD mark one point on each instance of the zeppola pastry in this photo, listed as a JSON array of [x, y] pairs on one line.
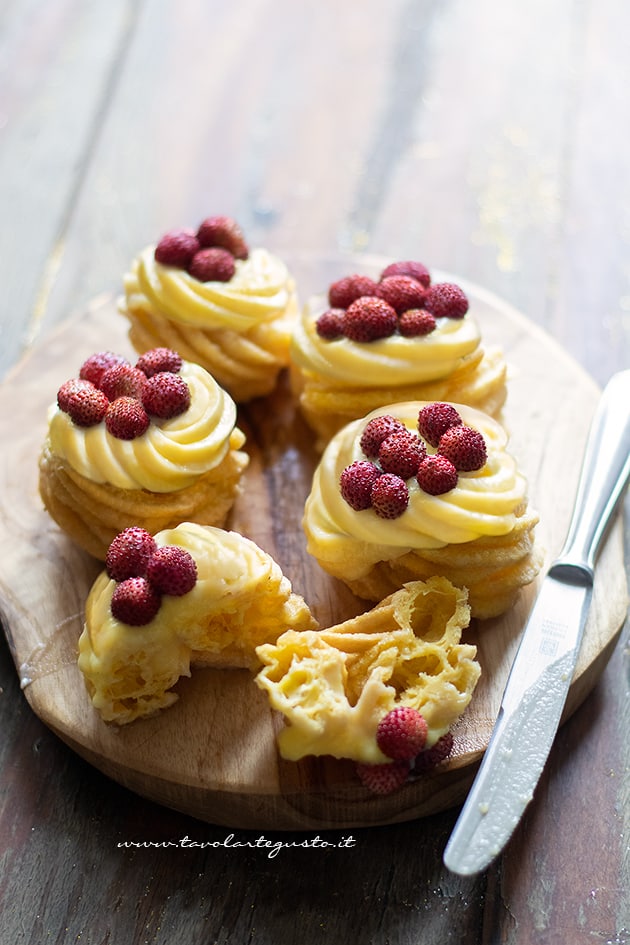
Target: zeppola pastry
[[220, 304], [188, 596], [399, 338], [382, 689], [151, 444], [419, 489]]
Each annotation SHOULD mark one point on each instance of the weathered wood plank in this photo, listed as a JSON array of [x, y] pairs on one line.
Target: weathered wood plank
[[58, 64], [265, 110], [589, 303]]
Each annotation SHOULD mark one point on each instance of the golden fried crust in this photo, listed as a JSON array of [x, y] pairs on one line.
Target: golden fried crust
[[479, 382], [246, 364], [93, 513], [493, 569]]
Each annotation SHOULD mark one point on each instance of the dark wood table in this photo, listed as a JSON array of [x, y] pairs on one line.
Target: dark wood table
[[488, 139]]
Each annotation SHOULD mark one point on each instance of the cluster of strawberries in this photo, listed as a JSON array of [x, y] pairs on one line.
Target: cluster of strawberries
[[403, 300], [208, 253], [144, 573], [402, 735], [395, 454], [125, 396]]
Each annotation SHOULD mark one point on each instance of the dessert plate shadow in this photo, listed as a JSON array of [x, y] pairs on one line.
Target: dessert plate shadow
[[213, 754]]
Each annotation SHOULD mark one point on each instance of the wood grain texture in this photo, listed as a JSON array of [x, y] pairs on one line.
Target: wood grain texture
[[485, 138], [58, 67], [213, 755]]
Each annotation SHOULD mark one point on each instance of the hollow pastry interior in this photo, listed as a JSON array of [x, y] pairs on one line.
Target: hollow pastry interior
[[333, 686]]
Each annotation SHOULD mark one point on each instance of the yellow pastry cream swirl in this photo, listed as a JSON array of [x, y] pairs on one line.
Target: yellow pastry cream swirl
[[239, 330], [187, 468], [259, 290], [241, 600], [394, 360], [479, 534], [171, 455]]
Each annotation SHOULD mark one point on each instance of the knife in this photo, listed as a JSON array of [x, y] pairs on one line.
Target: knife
[[541, 674]]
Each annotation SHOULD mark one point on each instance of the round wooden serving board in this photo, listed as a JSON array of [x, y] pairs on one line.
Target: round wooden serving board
[[213, 755]]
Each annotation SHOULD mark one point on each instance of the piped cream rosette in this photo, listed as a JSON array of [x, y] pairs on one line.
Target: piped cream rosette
[[334, 686], [240, 600], [239, 330], [342, 380], [480, 534], [186, 468]]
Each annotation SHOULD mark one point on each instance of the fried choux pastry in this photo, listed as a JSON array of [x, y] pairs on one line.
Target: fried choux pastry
[[399, 338], [151, 445], [225, 306], [415, 490]]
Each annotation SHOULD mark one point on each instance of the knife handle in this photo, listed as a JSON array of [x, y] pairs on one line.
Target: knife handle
[[603, 478]]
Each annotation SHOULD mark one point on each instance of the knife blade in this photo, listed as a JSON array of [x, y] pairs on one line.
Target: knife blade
[[540, 676]]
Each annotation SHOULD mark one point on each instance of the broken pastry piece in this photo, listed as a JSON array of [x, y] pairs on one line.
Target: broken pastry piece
[[189, 596], [340, 688]]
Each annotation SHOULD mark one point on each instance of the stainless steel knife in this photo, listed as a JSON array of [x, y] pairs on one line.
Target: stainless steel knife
[[541, 674]]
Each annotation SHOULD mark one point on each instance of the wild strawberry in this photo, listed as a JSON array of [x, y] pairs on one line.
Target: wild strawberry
[[94, 367], [166, 395], [446, 300], [329, 325], [122, 380], [436, 475], [172, 570], [159, 359], [390, 496], [377, 430], [177, 248], [224, 232], [71, 387], [356, 483], [126, 418], [347, 290], [86, 406], [385, 778], [368, 319], [402, 733], [135, 601], [465, 447], [129, 553], [415, 270], [401, 292], [401, 453], [430, 757], [416, 322], [212, 264], [435, 419]]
